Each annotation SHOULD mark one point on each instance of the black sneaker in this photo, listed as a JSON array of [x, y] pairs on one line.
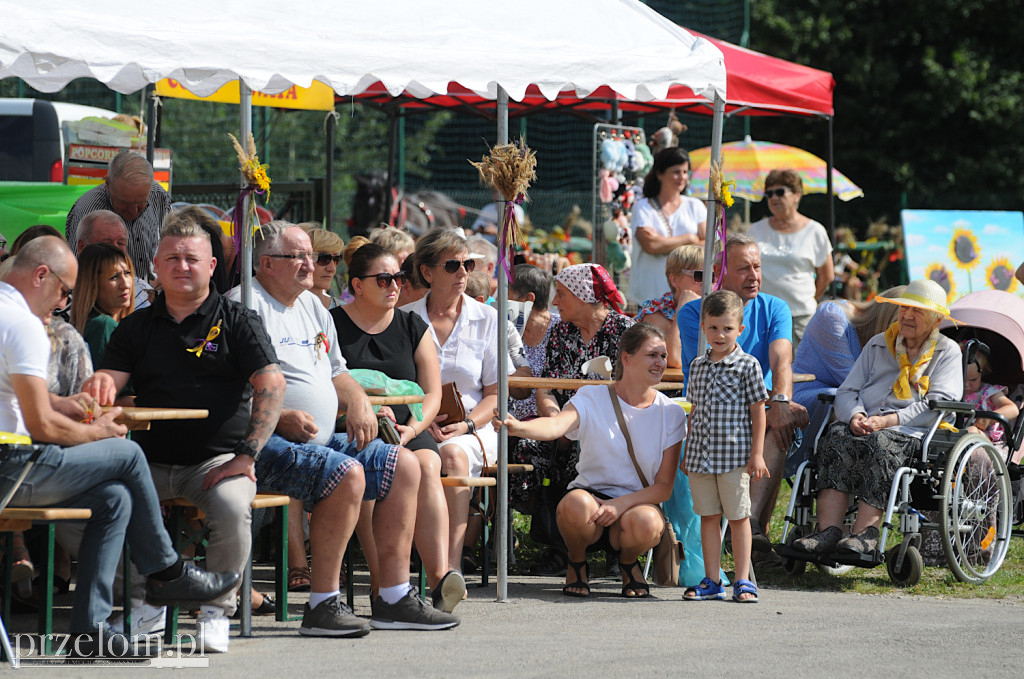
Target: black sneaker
[[448, 593], [822, 542], [332, 618], [410, 612]]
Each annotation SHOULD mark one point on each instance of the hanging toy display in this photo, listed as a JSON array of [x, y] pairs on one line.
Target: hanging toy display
[[621, 157], [509, 169]]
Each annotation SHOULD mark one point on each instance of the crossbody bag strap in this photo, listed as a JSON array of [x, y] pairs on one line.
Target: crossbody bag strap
[[625, 432], [664, 219]]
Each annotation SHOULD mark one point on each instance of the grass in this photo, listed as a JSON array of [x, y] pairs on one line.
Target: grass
[[935, 581]]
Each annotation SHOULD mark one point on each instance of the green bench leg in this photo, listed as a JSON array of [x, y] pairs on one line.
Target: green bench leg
[[281, 567], [46, 590]]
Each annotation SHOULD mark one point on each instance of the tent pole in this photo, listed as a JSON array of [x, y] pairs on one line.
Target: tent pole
[[711, 235], [501, 538], [244, 130], [389, 202], [831, 214], [332, 126]]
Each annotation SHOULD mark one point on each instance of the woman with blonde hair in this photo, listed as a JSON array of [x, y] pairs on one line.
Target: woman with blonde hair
[[685, 274], [104, 294], [395, 240], [327, 248]]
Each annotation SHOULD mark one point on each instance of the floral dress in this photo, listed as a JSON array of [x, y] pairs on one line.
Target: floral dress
[[665, 304], [566, 354], [535, 355]]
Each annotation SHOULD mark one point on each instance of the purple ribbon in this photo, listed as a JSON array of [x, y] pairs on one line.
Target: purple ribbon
[[720, 230], [238, 224], [508, 227]]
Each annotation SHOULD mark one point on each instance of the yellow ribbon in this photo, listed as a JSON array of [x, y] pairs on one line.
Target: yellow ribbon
[[909, 371], [204, 344]]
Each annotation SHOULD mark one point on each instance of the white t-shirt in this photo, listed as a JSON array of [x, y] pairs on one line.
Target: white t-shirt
[[309, 364], [605, 465], [469, 357], [789, 262], [24, 350], [647, 275]]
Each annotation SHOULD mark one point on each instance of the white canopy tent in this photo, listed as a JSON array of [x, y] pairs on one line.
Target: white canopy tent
[[412, 46]]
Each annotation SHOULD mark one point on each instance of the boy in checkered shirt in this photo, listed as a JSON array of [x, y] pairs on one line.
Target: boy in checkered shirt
[[726, 442]]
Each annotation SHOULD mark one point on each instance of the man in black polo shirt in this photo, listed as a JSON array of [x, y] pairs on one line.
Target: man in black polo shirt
[[195, 349]]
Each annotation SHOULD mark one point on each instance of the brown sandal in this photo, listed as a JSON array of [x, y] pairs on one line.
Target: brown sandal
[[299, 579]]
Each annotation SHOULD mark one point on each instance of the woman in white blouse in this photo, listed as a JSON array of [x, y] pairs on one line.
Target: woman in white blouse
[[663, 220], [465, 335], [608, 506], [796, 254]]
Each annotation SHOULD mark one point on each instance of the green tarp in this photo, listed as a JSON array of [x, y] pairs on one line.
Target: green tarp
[[23, 204]]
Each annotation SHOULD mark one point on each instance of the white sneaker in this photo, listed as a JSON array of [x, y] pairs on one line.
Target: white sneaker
[[214, 630], [146, 619]]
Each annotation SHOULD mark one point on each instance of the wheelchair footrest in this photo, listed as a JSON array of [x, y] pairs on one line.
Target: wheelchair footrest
[[832, 560]]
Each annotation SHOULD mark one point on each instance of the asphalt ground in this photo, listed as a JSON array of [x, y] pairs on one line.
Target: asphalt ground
[[539, 632]]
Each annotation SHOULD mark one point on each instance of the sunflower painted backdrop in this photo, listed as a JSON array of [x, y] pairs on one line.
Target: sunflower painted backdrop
[[963, 250]]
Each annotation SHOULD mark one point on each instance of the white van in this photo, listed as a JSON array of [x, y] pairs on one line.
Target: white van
[[32, 137]]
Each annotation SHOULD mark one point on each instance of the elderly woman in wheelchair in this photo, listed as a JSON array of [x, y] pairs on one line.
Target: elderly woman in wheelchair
[[892, 448]]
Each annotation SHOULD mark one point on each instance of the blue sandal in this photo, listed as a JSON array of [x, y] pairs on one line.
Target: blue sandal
[[707, 589], [741, 587]]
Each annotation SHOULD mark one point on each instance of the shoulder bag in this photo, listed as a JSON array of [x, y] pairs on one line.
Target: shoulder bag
[[669, 552]]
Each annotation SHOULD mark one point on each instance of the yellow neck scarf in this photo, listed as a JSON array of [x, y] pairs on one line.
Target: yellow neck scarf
[[910, 373]]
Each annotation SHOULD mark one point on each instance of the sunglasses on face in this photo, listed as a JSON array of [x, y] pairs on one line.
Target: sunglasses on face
[[325, 258], [298, 255], [698, 275], [777, 193], [384, 280], [452, 265]]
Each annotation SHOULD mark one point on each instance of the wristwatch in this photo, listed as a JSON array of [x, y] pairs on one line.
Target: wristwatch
[[471, 424], [780, 398], [245, 448]]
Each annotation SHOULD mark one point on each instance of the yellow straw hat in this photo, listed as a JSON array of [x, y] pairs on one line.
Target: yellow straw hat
[[922, 294]]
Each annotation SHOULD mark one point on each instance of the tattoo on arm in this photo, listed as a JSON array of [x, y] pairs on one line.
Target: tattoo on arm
[[267, 399]]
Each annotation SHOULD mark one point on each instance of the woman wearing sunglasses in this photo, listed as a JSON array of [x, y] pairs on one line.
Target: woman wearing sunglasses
[[374, 335], [684, 271], [327, 247], [796, 255], [663, 220], [465, 334]]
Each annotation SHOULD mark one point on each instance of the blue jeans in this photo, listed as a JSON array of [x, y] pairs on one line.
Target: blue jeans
[[111, 478], [310, 472]]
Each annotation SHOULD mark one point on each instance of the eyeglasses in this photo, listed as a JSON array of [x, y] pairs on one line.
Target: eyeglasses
[[298, 255], [777, 193], [384, 280], [65, 289], [452, 265], [698, 274], [325, 258]]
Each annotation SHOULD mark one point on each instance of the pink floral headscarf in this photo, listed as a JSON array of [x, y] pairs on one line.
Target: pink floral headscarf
[[591, 283]]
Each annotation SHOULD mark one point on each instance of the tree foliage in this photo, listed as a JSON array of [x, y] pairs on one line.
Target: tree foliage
[[928, 95]]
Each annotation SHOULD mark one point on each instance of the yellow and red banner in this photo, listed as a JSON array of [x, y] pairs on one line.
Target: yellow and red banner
[[319, 97]]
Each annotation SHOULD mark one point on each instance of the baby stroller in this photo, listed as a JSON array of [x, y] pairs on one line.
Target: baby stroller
[[997, 319], [960, 478]]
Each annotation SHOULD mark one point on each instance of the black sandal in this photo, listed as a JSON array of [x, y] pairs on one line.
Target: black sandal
[[634, 585], [578, 567]]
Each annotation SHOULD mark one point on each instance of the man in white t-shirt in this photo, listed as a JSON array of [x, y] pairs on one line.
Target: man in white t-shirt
[[86, 465], [333, 474]]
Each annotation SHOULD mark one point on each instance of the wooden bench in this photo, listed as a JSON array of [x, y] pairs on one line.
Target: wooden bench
[[21, 519], [182, 509]]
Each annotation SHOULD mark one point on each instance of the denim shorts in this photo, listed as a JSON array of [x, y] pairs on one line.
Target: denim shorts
[[311, 472]]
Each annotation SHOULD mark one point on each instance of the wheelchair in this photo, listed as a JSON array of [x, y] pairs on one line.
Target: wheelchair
[[959, 476]]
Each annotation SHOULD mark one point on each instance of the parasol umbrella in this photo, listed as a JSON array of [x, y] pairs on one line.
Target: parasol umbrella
[[748, 162]]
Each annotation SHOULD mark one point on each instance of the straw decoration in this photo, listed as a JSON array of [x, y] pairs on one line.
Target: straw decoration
[[258, 180], [509, 169], [721, 189]]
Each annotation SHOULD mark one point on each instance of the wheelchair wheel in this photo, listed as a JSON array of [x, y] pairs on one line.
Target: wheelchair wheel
[[910, 571], [976, 509]]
